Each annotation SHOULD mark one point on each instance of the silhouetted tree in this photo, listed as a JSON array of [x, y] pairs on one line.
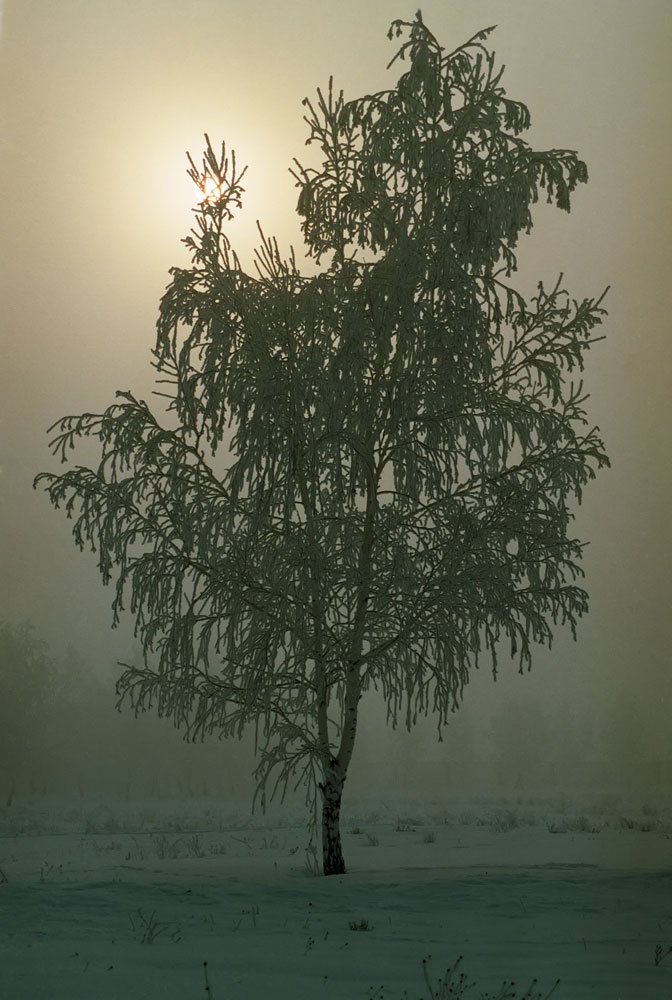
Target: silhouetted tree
[[393, 497]]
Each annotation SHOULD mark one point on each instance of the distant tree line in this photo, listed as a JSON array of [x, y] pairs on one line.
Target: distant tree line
[[61, 736]]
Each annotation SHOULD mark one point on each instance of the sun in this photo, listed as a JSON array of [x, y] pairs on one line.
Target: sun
[[211, 190]]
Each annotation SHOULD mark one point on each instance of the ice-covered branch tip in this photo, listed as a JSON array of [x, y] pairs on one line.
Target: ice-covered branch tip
[[218, 179]]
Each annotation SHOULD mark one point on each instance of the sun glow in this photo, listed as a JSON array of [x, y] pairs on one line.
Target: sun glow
[[210, 190], [269, 192]]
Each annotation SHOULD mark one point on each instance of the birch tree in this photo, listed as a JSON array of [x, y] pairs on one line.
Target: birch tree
[[364, 477]]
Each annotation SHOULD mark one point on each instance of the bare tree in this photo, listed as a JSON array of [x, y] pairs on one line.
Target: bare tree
[[366, 475]]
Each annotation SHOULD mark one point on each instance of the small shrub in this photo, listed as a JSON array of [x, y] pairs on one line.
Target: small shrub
[[412, 821], [114, 845], [193, 845], [139, 854], [253, 913], [454, 986], [429, 838], [49, 872], [582, 825], [360, 925], [148, 929], [246, 842], [504, 821], [372, 840], [165, 848], [659, 954], [311, 863]]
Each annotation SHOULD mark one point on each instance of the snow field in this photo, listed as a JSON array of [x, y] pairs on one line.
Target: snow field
[[129, 900]]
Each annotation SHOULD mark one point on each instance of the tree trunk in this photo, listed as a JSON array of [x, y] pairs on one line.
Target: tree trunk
[[334, 775], [332, 793]]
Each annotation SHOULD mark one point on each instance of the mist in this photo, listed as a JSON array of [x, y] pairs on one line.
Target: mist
[[63, 738], [100, 103]]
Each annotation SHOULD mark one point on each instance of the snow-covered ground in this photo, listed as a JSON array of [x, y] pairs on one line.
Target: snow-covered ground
[[128, 901]]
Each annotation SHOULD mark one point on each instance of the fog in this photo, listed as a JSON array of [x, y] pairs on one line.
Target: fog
[[99, 103]]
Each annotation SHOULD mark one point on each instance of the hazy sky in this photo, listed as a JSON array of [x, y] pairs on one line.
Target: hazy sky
[[98, 103]]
